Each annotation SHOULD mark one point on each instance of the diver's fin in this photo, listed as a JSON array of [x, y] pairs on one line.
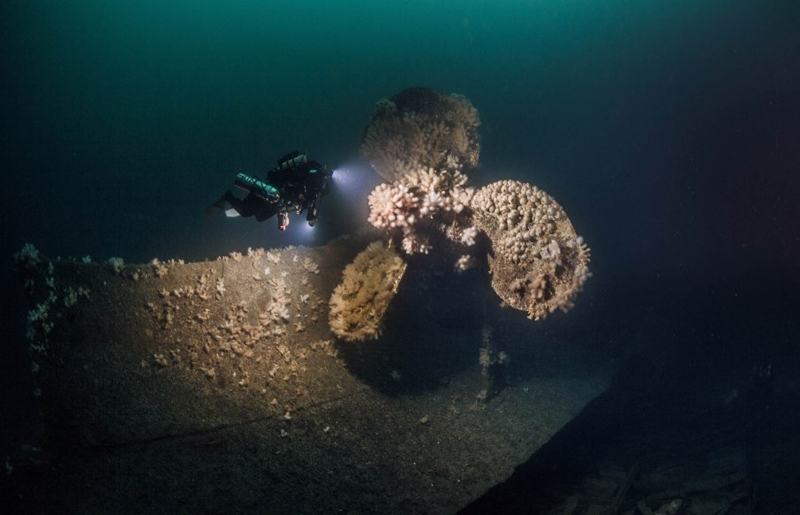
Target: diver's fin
[[231, 213], [216, 208]]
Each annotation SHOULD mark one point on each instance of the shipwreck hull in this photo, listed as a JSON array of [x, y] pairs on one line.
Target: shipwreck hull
[[217, 387]]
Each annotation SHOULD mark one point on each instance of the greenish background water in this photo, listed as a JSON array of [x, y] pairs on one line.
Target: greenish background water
[[122, 120]]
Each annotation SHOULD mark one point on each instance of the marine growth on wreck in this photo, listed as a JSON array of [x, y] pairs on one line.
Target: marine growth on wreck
[[425, 144]]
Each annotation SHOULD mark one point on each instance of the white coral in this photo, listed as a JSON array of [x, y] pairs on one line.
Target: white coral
[[117, 264], [421, 194], [469, 235], [465, 263]]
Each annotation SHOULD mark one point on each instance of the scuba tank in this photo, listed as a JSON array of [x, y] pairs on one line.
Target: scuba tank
[[257, 187], [291, 160]]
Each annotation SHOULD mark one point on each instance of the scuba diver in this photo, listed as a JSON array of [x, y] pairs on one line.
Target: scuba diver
[[296, 184]]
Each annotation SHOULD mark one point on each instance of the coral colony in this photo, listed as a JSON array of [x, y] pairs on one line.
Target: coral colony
[[425, 144]]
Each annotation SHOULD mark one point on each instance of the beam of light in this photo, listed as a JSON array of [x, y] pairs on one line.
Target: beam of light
[[301, 227], [350, 187], [353, 178]]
